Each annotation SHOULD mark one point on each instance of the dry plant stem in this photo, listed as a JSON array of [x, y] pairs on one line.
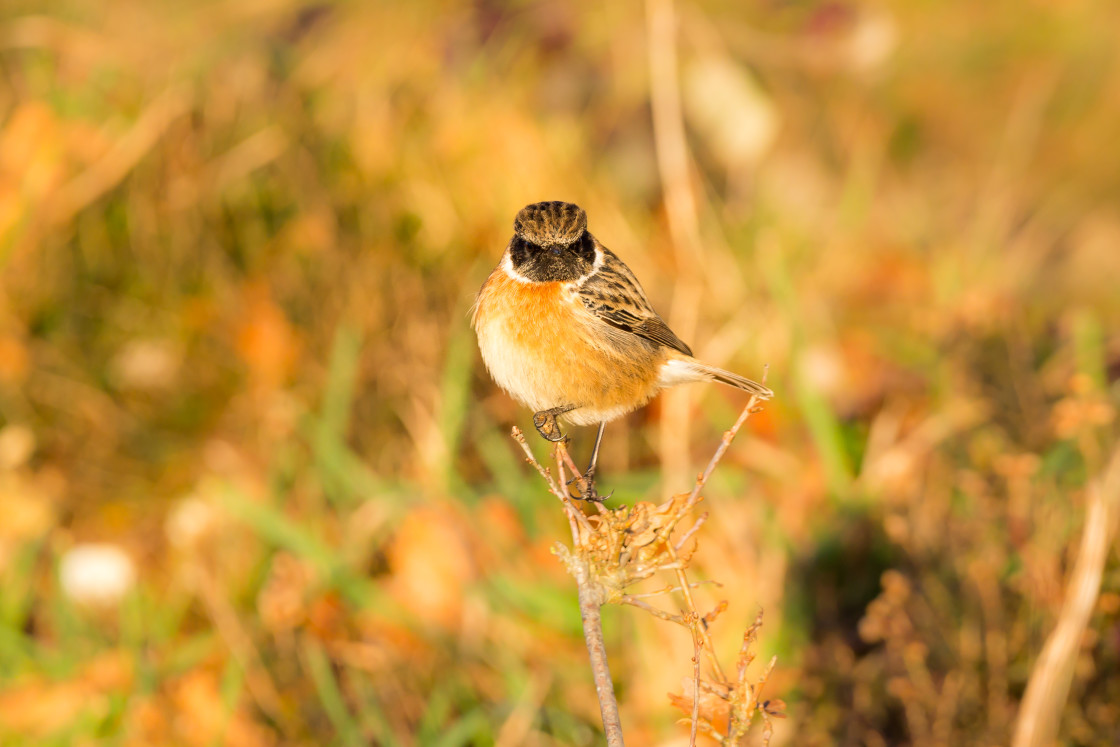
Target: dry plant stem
[[701, 629], [656, 612], [1048, 688], [589, 605], [724, 445], [671, 589], [697, 644], [695, 528], [576, 519], [693, 498], [563, 457], [592, 594], [590, 599]]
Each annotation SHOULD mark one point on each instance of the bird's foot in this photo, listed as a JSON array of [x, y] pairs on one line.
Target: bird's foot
[[586, 484], [546, 425]]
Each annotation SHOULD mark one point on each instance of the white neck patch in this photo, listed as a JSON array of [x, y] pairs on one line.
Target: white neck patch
[[511, 273], [599, 259]]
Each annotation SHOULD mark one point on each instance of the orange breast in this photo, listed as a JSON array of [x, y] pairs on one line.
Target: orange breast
[[535, 313], [546, 349]]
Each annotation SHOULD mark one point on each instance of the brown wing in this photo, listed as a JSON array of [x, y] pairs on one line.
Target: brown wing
[[615, 296]]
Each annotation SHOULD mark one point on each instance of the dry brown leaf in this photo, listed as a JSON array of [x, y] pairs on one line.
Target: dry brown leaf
[[430, 564]]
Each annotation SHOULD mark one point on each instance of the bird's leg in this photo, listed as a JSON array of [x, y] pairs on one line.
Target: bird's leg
[[545, 422], [589, 475]]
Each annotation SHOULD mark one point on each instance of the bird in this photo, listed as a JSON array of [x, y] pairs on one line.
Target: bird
[[566, 329]]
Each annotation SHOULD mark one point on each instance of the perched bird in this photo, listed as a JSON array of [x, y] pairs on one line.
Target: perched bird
[[566, 329]]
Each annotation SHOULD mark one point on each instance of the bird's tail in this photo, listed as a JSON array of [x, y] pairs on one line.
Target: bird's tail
[[681, 370], [737, 381]]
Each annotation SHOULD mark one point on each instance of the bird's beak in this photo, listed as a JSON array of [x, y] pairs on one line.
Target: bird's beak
[[557, 250]]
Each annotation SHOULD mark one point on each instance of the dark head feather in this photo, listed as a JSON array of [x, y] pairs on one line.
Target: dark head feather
[[550, 223]]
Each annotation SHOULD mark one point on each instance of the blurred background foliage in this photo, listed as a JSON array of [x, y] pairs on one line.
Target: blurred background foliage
[[238, 245]]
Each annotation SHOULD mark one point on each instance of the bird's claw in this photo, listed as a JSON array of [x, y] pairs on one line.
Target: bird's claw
[[546, 425], [591, 494]]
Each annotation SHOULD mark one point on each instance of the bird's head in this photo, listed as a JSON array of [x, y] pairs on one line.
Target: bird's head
[[551, 243]]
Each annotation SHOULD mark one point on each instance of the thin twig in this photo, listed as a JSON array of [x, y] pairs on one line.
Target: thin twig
[[580, 480], [765, 676], [715, 688], [694, 498], [633, 600], [701, 479], [560, 491], [745, 654], [695, 527], [575, 516], [671, 589], [520, 438], [690, 605], [696, 646], [725, 443]]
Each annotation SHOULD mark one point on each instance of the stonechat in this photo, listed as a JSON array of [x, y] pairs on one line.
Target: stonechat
[[566, 329]]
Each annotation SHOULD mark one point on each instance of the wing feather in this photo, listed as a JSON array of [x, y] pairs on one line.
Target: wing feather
[[616, 297]]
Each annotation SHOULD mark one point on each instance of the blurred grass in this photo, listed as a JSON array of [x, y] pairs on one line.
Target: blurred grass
[[238, 243]]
